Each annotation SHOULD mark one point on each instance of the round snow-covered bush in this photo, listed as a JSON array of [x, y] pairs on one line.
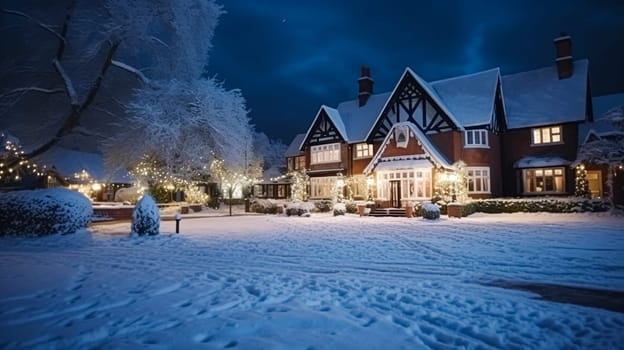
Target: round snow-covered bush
[[299, 209], [146, 217], [430, 211], [44, 212], [340, 209]]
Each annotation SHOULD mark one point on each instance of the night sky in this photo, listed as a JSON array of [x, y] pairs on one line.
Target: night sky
[[289, 57]]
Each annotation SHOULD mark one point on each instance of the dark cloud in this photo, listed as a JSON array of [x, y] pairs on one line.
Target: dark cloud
[[289, 57]]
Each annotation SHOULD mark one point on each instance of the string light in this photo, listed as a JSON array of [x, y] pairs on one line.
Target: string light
[[14, 162]]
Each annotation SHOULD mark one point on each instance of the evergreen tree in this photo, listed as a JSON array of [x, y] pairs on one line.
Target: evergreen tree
[[582, 185]]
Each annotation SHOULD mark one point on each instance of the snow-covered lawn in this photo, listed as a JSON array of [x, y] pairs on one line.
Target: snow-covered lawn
[[324, 282]]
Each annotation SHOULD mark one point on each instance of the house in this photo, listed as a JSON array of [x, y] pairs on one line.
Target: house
[[84, 172], [499, 135]]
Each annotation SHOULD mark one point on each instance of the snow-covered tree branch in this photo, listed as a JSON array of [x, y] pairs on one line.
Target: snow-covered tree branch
[[608, 149], [152, 40]]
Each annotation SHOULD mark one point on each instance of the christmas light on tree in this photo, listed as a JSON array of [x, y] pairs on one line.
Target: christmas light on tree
[[13, 163], [582, 185]]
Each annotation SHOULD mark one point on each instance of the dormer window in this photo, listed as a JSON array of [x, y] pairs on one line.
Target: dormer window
[[548, 135], [476, 138]]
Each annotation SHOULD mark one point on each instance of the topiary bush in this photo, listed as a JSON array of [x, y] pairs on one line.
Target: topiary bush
[[430, 211], [263, 206], [299, 209], [351, 207], [323, 206], [146, 217], [340, 209], [44, 212]]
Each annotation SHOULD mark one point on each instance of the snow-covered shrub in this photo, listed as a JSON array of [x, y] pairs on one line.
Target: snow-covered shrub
[[146, 217], [128, 194], [299, 208], [44, 212], [352, 207], [263, 206], [340, 209], [430, 211], [323, 206]]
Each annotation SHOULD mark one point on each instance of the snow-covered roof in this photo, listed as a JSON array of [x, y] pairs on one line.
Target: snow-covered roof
[[539, 97], [540, 162], [293, 149], [401, 164], [600, 127], [359, 120], [336, 119], [69, 162], [470, 97], [438, 159]]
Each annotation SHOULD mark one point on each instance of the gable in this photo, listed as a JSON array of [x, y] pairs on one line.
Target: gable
[[326, 128], [405, 141], [412, 100]]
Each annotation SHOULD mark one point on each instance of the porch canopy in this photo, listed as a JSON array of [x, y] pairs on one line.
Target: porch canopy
[[403, 164], [540, 162]]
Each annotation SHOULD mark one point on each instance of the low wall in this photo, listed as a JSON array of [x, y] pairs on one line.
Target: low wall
[[120, 213]]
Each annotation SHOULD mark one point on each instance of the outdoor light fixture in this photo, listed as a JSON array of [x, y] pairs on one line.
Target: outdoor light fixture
[[96, 187]]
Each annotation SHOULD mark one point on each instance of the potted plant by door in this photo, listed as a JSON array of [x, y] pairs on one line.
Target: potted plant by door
[[409, 210]]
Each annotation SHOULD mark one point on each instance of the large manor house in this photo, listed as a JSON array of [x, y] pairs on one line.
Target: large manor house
[[515, 135]]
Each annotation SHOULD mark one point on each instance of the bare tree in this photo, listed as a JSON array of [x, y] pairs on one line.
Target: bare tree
[[67, 61]]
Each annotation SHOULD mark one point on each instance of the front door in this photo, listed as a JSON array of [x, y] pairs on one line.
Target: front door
[[395, 194], [594, 180]]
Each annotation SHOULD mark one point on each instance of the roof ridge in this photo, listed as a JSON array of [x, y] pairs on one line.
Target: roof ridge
[[542, 68], [465, 75]]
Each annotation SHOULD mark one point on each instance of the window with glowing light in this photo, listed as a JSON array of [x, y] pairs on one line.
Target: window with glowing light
[[329, 153], [363, 150], [322, 187], [415, 183], [544, 180], [548, 135]]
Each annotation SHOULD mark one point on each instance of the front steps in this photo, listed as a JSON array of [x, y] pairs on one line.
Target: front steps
[[394, 212]]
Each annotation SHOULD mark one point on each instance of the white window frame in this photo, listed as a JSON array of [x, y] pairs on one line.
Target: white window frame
[[327, 153], [363, 150], [416, 184], [536, 180], [471, 136], [479, 178], [322, 187], [547, 135]]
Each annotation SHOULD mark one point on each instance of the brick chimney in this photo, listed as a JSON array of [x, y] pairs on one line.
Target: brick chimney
[[563, 59], [365, 84]]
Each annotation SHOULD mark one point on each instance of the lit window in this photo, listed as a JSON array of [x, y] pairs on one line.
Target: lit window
[[478, 179], [329, 153], [363, 150], [544, 180], [476, 138], [322, 187], [551, 134]]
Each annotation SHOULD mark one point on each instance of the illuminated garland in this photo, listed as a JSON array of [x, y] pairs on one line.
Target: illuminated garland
[[13, 154]]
